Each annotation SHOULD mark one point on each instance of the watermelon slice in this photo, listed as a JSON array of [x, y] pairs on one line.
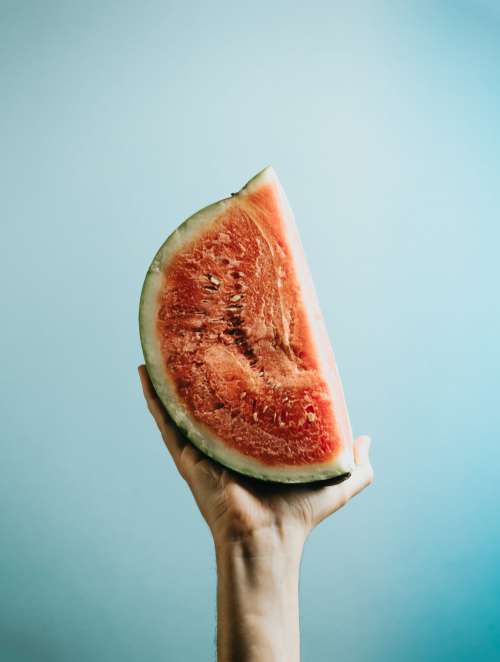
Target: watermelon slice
[[235, 343]]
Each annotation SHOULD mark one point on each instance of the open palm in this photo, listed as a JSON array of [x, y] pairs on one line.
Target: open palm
[[235, 505]]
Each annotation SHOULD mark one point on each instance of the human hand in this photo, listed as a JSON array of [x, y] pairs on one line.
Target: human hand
[[237, 507]]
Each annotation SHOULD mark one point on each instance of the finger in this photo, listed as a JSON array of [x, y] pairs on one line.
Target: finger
[[330, 498], [186, 456], [170, 433], [361, 449], [361, 477]]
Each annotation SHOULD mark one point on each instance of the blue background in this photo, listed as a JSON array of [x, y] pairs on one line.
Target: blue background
[[120, 119]]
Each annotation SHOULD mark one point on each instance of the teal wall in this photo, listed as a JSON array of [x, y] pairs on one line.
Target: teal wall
[[118, 120]]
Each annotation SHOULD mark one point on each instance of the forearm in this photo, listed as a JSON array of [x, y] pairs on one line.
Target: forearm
[[257, 598]]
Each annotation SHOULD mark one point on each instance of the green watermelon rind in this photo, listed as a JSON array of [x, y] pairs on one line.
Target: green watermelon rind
[[195, 431]]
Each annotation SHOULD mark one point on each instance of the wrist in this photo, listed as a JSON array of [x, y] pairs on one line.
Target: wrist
[[257, 596], [263, 543]]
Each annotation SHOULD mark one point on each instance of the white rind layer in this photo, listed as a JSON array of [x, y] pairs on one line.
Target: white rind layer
[[203, 437]]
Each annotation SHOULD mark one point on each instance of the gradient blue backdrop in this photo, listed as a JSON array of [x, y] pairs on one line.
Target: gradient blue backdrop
[[118, 120]]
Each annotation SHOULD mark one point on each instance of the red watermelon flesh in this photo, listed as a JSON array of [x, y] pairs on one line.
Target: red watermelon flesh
[[235, 344]]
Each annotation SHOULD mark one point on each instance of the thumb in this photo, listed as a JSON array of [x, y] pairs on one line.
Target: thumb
[[362, 450]]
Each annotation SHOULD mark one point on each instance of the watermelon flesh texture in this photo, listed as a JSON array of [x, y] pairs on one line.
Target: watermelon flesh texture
[[235, 343]]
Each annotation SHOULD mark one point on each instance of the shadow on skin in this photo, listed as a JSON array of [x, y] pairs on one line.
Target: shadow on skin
[[265, 488]]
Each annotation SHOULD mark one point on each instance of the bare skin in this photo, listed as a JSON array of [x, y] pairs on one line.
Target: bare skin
[[259, 531]]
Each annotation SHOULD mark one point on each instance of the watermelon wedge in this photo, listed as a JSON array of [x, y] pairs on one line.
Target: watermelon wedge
[[235, 344]]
